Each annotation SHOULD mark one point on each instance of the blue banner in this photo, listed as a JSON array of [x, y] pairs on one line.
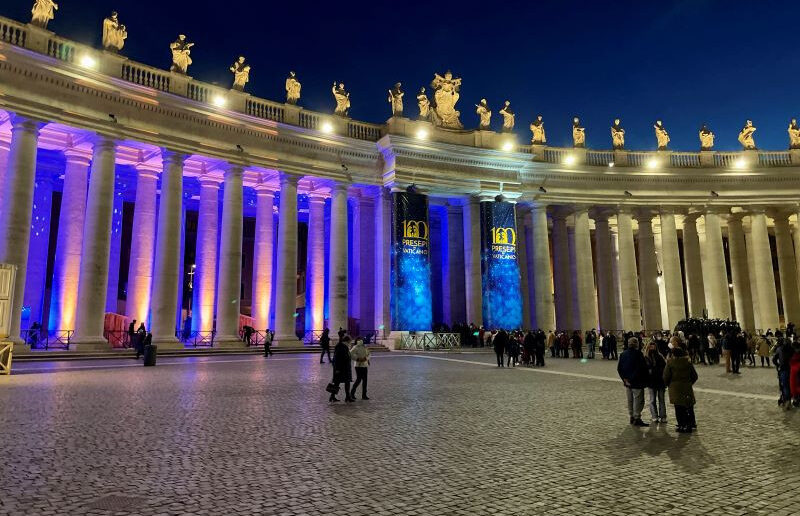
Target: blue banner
[[411, 266], [502, 295]]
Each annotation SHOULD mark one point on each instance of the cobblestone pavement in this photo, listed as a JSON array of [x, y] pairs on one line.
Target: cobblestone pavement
[[442, 434]]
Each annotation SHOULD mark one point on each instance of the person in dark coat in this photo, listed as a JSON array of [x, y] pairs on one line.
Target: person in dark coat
[[139, 341], [342, 370], [325, 344], [680, 375], [529, 345], [655, 385], [500, 343], [612, 346], [632, 369], [781, 359], [132, 333], [540, 343]]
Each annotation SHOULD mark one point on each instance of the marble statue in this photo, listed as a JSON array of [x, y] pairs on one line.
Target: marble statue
[[114, 33], [508, 117], [485, 115], [424, 104], [706, 138], [180, 54], [396, 100], [342, 98], [241, 73], [662, 137], [746, 136], [537, 129], [617, 135], [42, 12], [578, 134], [794, 134], [445, 97], [292, 89]]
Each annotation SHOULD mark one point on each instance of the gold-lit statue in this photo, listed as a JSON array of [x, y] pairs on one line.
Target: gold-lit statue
[[508, 117], [662, 136], [446, 96], [578, 134], [42, 12], [537, 129], [746, 136], [292, 89], [342, 98], [485, 115], [241, 73], [794, 134], [180, 54], [424, 104], [114, 33], [706, 138], [617, 135], [396, 99]]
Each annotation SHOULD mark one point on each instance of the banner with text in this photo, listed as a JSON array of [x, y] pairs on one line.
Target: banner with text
[[502, 296], [411, 264]]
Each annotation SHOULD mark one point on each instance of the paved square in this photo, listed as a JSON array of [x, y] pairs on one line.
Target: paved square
[[443, 434]]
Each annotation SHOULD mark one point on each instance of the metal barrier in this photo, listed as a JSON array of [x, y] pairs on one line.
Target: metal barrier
[[312, 337], [197, 339], [39, 338], [118, 338], [430, 341], [6, 355], [256, 338]]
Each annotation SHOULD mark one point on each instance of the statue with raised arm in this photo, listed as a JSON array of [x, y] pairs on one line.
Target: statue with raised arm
[[342, 98], [746, 136], [662, 137], [794, 134], [485, 115], [617, 135], [508, 117], [396, 99], [537, 129], [181, 49], [241, 73], [114, 33], [578, 134], [445, 96], [706, 138], [424, 104], [292, 89], [42, 12]]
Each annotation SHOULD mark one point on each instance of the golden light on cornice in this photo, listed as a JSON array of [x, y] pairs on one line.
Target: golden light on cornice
[[139, 98]]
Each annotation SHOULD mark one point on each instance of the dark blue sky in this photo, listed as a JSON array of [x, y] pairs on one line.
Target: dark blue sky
[[684, 61]]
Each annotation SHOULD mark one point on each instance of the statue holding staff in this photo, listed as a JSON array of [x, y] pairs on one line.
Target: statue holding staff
[[241, 73], [537, 129], [446, 96], [342, 98], [485, 114], [617, 135], [706, 138], [292, 89], [180, 55], [396, 100], [114, 33], [424, 104], [662, 137], [794, 134], [746, 136], [578, 134], [508, 117], [42, 12]]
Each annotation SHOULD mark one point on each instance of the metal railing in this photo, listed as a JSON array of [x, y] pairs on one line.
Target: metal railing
[[119, 339], [42, 339], [13, 32], [430, 341], [256, 338], [197, 339]]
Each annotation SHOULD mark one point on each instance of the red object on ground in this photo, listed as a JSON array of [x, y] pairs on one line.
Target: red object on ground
[[794, 375]]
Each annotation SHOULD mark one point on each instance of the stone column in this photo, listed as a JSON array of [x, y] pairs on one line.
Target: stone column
[[606, 301], [787, 268], [742, 295], [16, 208], [364, 257], [67, 265], [286, 293], [672, 277], [454, 277], [166, 271], [693, 264], [766, 298], [5, 147], [542, 271], [229, 280], [262, 256], [561, 273], [648, 274], [337, 279], [353, 218], [93, 279], [472, 261], [522, 258], [717, 283], [383, 238], [628, 276], [751, 267], [204, 281], [112, 289], [143, 245], [39, 243], [587, 298], [315, 263]]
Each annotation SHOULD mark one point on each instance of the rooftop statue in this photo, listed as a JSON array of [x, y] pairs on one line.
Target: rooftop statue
[[396, 100], [180, 54], [661, 135], [746, 136], [485, 114], [445, 97], [424, 104], [292, 89], [578, 134], [794, 134], [241, 73], [537, 128], [114, 33], [43, 11], [342, 98], [706, 138], [617, 135], [508, 117]]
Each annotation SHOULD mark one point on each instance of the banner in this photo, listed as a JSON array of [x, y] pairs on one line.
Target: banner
[[411, 265], [502, 296]]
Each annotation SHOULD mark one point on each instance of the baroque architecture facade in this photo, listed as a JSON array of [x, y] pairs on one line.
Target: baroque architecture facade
[[130, 192]]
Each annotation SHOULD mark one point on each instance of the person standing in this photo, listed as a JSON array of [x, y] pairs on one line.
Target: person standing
[[132, 333], [342, 371], [551, 343], [576, 344], [781, 358], [591, 341], [539, 350], [762, 345], [141, 336], [360, 355], [500, 343], [656, 388], [679, 376], [268, 338], [612, 346], [325, 344], [632, 369]]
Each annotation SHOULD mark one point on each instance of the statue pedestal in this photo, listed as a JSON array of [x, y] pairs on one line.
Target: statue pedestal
[[707, 158], [620, 158], [111, 63], [37, 38], [179, 84], [664, 157], [580, 155], [750, 158], [537, 149], [291, 114], [794, 154]]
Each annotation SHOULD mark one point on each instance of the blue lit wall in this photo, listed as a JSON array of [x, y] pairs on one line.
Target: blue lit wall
[[411, 268], [502, 296]]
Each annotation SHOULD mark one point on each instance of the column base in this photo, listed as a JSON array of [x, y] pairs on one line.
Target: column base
[[89, 344], [20, 346], [228, 341], [167, 343], [287, 340]]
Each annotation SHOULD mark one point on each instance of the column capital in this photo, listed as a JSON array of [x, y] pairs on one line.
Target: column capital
[[26, 124], [288, 179], [103, 142], [77, 156], [208, 181], [264, 189], [338, 187], [780, 214], [172, 157], [643, 215], [316, 197], [232, 169]]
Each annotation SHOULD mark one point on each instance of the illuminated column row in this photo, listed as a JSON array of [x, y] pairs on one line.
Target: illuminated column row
[[315, 263], [262, 257], [230, 260], [140, 268]]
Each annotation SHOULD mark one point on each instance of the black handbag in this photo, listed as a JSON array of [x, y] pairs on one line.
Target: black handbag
[[332, 388]]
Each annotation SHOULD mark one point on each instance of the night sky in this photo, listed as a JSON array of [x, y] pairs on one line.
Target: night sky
[[685, 62]]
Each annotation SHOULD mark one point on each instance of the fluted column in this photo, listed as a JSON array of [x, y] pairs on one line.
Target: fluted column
[[530, 266], [472, 261], [522, 259], [337, 279], [561, 273], [787, 268], [671, 266], [628, 274], [606, 302], [229, 280], [542, 271], [39, 244], [587, 299], [648, 274], [742, 295], [166, 271], [204, 281], [315, 263], [286, 284], [67, 265], [766, 298], [143, 244], [93, 280], [695, 289], [383, 254], [262, 256], [717, 280]]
